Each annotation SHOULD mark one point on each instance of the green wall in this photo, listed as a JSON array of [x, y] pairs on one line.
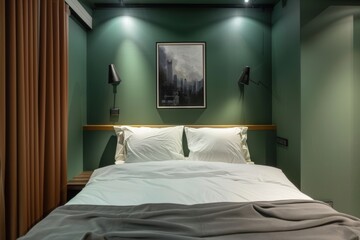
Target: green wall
[[310, 8], [127, 37], [315, 94], [355, 163], [234, 39], [329, 108], [77, 95], [286, 85]]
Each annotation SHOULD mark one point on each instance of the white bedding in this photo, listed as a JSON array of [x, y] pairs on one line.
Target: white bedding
[[185, 182]]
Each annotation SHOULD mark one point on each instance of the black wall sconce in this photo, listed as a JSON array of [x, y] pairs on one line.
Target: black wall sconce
[[114, 80], [245, 78]]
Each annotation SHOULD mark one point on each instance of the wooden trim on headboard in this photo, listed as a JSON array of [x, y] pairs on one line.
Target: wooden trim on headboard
[[110, 127]]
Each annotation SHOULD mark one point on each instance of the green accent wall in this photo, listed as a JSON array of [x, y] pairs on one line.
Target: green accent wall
[[310, 8], [286, 85], [77, 95], [234, 39], [329, 108], [355, 163], [315, 52]]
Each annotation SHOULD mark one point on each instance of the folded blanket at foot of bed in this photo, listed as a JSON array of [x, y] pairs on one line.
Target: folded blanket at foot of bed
[[287, 219]]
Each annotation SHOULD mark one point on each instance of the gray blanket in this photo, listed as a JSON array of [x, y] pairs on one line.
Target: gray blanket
[[254, 220]]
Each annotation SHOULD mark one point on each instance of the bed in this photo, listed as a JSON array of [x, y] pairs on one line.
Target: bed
[[154, 192]]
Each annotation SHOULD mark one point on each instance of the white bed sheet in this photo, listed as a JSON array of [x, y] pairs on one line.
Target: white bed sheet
[[185, 182]]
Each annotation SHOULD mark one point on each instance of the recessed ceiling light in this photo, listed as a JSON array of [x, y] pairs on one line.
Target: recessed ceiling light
[[246, 1]]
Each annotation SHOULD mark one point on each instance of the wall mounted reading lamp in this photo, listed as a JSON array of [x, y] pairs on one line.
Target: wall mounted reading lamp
[[245, 76], [114, 80]]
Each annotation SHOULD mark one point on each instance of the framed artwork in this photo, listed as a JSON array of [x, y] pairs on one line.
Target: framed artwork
[[181, 75]]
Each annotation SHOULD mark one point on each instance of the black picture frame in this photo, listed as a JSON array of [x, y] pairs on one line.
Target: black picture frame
[[181, 77]]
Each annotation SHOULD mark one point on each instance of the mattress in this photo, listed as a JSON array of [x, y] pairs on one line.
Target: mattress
[[185, 182]]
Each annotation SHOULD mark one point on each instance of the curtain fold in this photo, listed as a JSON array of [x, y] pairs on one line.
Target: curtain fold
[[2, 119], [34, 146], [53, 65]]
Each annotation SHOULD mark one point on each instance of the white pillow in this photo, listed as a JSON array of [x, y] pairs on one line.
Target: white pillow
[[120, 150], [141, 144], [218, 144]]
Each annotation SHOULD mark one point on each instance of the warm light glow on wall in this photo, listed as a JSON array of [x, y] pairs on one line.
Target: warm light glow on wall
[[236, 22], [127, 22]]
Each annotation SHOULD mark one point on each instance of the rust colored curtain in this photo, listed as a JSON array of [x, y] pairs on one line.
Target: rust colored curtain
[[2, 118], [34, 120]]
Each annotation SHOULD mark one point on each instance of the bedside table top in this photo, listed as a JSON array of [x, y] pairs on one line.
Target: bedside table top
[[81, 179], [77, 183]]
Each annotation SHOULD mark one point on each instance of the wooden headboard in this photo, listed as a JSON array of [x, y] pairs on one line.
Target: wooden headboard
[[110, 127], [100, 143]]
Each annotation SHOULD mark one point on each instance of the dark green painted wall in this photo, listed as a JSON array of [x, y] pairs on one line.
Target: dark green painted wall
[[286, 85], [234, 39], [315, 98], [355, 163], [77, 95], [127, 37], [330, 97], [310, 8]]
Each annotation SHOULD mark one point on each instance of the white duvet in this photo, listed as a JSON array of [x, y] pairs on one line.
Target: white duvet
[[185, 182]]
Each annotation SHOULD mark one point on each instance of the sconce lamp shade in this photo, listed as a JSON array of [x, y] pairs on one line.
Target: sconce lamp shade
[[113, 78], [245, 76]]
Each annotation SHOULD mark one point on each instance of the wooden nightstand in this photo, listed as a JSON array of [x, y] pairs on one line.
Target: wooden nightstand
[[75, 185]]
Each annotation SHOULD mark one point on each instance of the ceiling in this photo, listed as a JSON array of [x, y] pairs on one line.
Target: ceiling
[[117, 3]]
